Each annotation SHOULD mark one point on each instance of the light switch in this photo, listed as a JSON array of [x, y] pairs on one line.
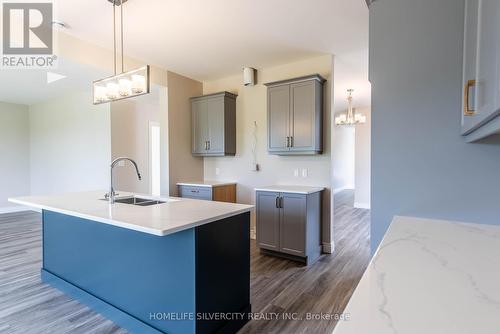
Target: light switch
[[217, 171], [296, 172], [304, 172]]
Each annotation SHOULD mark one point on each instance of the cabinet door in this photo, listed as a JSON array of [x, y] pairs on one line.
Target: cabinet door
[[268, 220], [200, 126], [303, 115], [203, 193], [215, 109], [488, 59], [469, 117], [278, 118], [293, 224]]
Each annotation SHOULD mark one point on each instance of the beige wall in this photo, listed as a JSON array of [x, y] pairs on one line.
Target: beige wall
[[70, 145], [182, 165], [14, 150], [252, 107], [363, 161], [130, 121], [87, 53]]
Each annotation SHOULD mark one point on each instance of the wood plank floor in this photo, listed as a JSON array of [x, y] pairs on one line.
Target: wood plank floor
[[278, 286]]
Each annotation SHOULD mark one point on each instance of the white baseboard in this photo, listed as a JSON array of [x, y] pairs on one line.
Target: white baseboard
[[253, 234], [359, 205], [328, 248], [337, 190], [12, 209]]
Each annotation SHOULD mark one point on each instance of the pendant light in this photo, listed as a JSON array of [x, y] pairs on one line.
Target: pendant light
[[121, 85], [351, 117]]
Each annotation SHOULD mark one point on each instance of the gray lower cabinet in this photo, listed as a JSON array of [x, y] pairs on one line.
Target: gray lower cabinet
[[214, 124], [194, 192], [288, 225], [295, 116]]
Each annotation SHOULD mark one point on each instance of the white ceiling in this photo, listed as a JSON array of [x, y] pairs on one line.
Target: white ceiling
[[30, 86], [208, 40]]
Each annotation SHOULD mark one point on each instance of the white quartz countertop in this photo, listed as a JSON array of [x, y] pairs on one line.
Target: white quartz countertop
[[177, 214], [206, 183], [429, 276], [291, 189]]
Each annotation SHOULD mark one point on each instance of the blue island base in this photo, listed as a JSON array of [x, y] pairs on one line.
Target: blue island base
[[194, 281]]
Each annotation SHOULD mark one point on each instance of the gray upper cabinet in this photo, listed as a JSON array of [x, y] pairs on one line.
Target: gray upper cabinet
[[279, 118], [295, 116], [214, 124], [481, 82]]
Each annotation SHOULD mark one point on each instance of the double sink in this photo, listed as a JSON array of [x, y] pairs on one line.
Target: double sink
[[139, 201]]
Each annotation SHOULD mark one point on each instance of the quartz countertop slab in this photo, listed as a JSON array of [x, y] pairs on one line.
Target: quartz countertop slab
[[176, 215], [291, 189], [207, 183], [429, 276]]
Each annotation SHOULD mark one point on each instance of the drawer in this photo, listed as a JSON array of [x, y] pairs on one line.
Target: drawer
[[195, 192]]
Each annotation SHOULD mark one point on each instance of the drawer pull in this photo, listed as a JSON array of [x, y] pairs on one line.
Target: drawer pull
[[468, 111]]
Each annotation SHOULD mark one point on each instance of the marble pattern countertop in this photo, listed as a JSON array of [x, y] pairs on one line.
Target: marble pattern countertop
[[177, 214], [206, 183], [429, 276], [291, 189]]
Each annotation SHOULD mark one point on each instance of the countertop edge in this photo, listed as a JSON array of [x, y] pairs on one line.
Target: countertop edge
[[290, 191], [160, 233], [194, 184]]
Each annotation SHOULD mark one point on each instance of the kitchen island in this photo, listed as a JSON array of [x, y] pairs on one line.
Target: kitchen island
[[178, 266], [429, 276]]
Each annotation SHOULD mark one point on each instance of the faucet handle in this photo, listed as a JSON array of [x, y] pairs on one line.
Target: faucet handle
[[107, 195]]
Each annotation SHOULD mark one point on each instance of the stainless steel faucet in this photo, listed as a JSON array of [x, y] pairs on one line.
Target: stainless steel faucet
[[111, 195]]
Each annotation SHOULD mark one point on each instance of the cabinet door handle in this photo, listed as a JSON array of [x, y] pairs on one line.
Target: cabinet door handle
[[209, 145], [291, 141], [206, 145], [277, 202], [467, 110], [287, 141], [281, 202]]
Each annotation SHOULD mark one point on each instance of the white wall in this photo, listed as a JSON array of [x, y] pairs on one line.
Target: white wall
[[343, 151], [252, 107], [70, 145], [130, 138], [14, 153], [363, 161]]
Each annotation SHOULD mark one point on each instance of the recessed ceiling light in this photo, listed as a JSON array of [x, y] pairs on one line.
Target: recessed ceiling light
[[53, 77], [59, 24]]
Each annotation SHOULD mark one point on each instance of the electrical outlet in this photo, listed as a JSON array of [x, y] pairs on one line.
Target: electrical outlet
[[304, 172], [296, 172], [217, 171]]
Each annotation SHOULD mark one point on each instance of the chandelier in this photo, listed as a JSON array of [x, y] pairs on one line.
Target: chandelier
[[121, 85], [351, 117]]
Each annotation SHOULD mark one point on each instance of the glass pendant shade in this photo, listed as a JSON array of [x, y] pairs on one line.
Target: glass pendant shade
[[122, 86], [351, 117]]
